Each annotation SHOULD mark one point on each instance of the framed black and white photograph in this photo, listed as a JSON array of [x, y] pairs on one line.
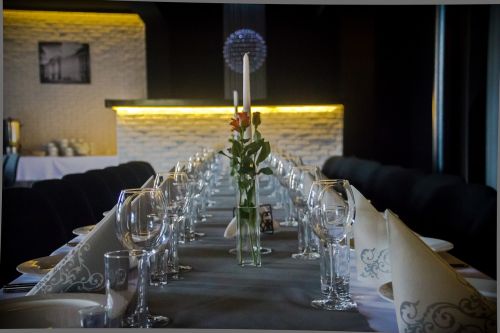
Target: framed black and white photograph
[[64, 62]]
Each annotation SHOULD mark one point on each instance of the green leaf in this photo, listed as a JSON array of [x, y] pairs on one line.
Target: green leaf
[[223, 153], [252, 148], [264, 152], [237, 148], [266, 171]]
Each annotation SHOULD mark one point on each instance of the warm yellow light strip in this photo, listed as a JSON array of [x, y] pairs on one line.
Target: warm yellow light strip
[[208, 110], [34, 17]]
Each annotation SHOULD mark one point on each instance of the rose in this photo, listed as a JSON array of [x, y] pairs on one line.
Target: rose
[[246, 154], [241, 121]]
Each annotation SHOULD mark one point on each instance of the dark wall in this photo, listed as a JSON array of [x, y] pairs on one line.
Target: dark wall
[[376, 60], [466, 52]]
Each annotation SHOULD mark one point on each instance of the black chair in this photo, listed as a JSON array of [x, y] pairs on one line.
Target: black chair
[[422, 192], [30, 229], [98, 194], [361, 174], [69, 202], [126, 174], [143, 170], [112, 180], [465, 214], [10, 163], [145, 165], [391, 188], [331, 166]]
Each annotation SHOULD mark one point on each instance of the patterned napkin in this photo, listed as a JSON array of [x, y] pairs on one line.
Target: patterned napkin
[[373, 264], [430, 296], [82, 269]]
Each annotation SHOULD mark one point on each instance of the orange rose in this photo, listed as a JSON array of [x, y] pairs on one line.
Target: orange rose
[[244, 119], [235, 124]]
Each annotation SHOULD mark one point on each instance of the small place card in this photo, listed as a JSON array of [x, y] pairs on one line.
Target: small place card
[[266, 218]]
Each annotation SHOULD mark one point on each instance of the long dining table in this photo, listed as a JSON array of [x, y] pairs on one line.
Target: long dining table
[[219, 294]]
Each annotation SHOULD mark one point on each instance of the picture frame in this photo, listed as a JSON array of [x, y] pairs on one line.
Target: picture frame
[[64, 62]]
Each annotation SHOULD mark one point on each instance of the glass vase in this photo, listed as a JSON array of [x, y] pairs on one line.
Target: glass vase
[[248, 251]]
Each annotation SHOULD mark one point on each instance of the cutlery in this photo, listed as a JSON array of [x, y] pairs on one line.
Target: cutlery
[[18, 287], [459, 265]]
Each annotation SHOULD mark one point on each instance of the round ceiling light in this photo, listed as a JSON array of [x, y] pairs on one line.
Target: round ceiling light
[[240, 42]]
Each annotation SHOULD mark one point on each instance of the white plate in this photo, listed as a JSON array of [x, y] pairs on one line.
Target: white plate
[[40, 266], [84, 230], [487, 288], [438, 245], [44, 311]]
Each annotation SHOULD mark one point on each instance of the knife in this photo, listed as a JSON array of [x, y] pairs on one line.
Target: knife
[[18, 287]]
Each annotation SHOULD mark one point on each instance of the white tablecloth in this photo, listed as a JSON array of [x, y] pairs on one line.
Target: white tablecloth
[[31, 168]]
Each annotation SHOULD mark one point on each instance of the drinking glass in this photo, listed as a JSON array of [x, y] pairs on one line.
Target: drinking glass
[[126, 275], [300, 182], [283, 173], [142, 224], [332, 216], [175, 187]]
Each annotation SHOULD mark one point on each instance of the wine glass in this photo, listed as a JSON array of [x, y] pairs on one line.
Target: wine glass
[[142, 224], [175, 187], [332, 216], [300, 182], [284, 170]]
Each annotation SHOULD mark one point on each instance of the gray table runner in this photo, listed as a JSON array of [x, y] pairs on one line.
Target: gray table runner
[[219, 294]]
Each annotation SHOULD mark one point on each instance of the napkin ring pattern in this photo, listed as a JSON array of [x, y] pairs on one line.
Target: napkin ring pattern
[[74, 275], [448, 317], [375, 262]]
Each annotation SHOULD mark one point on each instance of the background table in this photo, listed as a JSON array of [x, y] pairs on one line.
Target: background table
[[31, 168]]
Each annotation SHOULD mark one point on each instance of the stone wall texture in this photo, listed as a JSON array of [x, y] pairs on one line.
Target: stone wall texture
[[54, 111], [164, 139]]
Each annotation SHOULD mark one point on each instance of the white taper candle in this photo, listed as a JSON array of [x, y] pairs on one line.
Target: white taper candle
[[246, 83]]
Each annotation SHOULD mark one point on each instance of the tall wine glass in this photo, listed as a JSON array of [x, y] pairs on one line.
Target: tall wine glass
[[175, 187], [142, 224], [300, 182], [332, 216]]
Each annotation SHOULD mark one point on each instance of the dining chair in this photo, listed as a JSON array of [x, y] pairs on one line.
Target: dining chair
[[465, 215], [390, 188], [30, 229], [126, 174], [421, 194], [114, 182], [98, 194], [143, 170], [331, 166], [69, 202], [361, 173]]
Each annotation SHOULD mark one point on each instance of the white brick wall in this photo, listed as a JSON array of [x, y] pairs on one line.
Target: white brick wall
[[54, 111], [163, 140]]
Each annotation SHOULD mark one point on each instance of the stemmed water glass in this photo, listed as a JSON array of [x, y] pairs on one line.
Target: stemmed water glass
[[332, 215], [300, 182], [175, 187], [142, 224]]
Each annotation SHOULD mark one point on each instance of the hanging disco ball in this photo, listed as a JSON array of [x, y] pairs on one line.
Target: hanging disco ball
[[240, 42]]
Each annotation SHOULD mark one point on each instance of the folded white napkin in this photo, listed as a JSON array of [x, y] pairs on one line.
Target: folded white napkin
[[429, 295], [82, 269], [230, 231], [373, 263]]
